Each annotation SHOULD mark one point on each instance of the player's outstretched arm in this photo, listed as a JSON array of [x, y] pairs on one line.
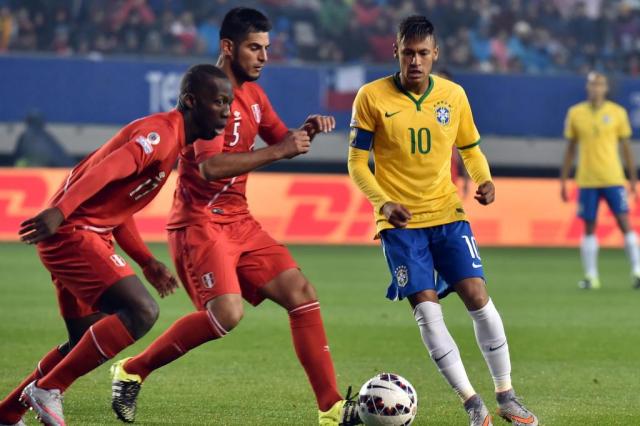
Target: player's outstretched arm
[[316, 123], [42, 226], [627, 155], [228, 164], [567, 162]]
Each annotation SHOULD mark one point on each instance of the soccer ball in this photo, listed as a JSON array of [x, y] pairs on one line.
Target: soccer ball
[[387, 400]]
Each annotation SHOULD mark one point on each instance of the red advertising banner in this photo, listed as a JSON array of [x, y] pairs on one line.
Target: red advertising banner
[[329, 209]]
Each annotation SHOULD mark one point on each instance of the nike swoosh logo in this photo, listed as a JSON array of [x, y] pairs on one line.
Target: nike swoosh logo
[[491, 349], [476, 265], [438, 359], [390, 114]]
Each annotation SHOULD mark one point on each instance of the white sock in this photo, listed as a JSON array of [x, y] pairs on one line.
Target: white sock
[[589, 252], [493, 344], [442, 348], [631, 247]]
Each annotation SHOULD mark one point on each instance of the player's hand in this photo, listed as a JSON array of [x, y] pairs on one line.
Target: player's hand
[[486, 193], [295, 143], [315, 124], [160, 277], [42, 226], [397, 214]]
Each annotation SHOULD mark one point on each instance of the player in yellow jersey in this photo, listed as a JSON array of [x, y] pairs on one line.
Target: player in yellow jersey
[[410, 121], [597, 127]]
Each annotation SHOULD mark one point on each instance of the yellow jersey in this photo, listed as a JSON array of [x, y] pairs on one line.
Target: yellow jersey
[[598, 133], [413, 135]]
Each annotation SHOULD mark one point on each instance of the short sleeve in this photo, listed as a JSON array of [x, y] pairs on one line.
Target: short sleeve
[[468, 135], [204, 149], [569, 130], [624, 127], [363, 116], [271, 128], [150, 143]]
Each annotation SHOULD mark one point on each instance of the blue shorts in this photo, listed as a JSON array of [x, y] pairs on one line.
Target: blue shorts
[[434, 258], [589, 199]]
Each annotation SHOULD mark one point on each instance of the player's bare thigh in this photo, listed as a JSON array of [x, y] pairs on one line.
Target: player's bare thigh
[[289, 289], [423, 296]]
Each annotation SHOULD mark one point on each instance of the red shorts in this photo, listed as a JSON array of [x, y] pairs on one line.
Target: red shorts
[[213, 259], [83, 264]]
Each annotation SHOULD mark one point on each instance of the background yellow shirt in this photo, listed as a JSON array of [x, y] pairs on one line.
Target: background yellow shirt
[[412, 142], [598, 133]]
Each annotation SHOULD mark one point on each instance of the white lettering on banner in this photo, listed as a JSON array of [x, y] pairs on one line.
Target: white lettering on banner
[[163, 90]]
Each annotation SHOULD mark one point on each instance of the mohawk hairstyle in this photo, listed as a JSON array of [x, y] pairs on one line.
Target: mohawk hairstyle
[[241, 21], [415, 27]]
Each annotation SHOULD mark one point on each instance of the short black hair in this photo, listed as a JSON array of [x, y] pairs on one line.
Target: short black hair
[[416, 27], [196, 78], [240, 21]]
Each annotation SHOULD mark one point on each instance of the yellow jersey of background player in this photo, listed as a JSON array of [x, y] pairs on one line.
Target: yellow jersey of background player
[[411, 120], [597, 128]]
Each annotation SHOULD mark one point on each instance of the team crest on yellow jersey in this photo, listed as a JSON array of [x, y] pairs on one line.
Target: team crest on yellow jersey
[[443, 112]]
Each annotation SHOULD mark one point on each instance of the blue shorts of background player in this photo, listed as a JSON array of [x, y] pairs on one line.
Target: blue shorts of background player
[[589, 199], [434, 258]]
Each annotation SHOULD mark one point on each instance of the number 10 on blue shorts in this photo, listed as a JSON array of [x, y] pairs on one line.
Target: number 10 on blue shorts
[[434, 258]]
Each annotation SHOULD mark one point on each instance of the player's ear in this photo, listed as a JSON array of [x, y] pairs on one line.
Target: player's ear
[[436, 52], [226, 47], [395, 50], [188, 100]]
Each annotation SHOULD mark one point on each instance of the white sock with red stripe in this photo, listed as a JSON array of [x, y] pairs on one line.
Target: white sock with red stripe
[[493, 344], [186, 333], [442, 348]]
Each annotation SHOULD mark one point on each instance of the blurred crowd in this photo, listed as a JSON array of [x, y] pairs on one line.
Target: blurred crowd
[[532, 36]]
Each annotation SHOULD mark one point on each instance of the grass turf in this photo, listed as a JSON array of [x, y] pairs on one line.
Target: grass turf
[[575, 355]]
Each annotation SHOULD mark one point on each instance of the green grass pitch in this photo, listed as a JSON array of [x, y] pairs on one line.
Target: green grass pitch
[[575, 355]]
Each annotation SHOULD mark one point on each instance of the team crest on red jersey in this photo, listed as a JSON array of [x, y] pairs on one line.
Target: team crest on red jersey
[[257, 112], [208, 280], [118, 260]]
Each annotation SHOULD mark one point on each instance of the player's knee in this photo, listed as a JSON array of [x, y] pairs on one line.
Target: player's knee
[[143, 316], [228, 314], [305, 291]]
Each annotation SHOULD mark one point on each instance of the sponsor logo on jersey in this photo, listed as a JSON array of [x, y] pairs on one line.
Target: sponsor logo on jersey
[[402, 275], [257, 112], [443, 113], [208, 280], [118, 260], [391, 114], [147, 143]]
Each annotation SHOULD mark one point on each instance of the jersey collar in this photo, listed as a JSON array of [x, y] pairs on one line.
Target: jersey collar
[[418, 102]]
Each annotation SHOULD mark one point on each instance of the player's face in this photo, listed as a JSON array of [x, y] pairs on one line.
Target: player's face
[[250, 56], [416, 59], [597, 87], [212, 107]]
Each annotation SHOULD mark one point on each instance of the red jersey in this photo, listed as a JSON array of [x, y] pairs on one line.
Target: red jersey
[[224, 201], [149, 145]]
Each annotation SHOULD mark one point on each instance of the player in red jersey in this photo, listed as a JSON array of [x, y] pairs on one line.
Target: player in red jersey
[[105, 306], [221, 252]]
